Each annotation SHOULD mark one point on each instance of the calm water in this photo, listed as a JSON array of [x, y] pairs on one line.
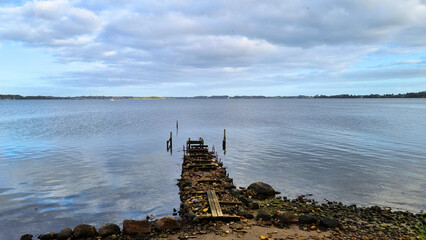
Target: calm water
[[63, 163]]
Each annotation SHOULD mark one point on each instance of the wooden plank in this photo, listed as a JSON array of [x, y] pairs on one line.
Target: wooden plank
[[216, 202], [212, 203]]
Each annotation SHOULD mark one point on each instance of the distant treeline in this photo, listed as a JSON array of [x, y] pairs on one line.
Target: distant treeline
[[19, 97], [406, 95]]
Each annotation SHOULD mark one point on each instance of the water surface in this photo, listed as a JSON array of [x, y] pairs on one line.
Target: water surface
[[63, 162]]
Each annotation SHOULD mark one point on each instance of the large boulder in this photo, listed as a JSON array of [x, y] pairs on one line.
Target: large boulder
[[84, 230], [109, 229], [262, 190], [135, 227], [64, 234], [167, 223]]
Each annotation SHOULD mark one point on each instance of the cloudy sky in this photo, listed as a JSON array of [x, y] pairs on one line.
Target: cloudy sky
[[188, 48]]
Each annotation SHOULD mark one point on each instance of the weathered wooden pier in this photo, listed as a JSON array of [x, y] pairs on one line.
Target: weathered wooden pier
[[205, 187]]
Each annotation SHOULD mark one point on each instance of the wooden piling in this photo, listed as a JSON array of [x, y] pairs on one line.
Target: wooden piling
[[224, 140], [177, 124], [169, 142]]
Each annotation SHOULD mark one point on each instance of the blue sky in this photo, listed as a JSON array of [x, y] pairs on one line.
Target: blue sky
[[188, 48]]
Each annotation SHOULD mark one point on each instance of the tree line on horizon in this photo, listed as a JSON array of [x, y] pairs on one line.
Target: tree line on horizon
[[421, 94]]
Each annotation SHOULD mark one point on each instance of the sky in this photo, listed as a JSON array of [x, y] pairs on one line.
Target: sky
[[220, 47]]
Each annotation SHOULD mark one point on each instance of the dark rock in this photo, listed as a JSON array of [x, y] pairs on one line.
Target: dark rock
[[263, 215], [109, 229], [262, 190], [27, 237], [64, 234], [244, 200], [254, 205], [47, 236], [285, 218], [376, 209], [135, 227], [84, 230], [307, 219], [167, 223], [245, 214], [329, 223]]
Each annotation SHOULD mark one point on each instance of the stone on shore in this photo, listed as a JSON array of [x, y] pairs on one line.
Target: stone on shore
[[307, 219], [167, 223], [64, 234], [84, 230], [265, 216], [135, 227], [26, 237], [329, 223], [109, 229], [47, 236], [285, 218], [262, 190]]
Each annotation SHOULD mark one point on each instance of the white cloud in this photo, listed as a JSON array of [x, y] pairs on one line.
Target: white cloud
[[223, 42], [47, 23]]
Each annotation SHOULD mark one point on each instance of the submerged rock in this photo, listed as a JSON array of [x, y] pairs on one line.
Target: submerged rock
[[135, 227], [26, 237], [167, 223], [109, 229], [84, 230], [262, 190], [64, 234]]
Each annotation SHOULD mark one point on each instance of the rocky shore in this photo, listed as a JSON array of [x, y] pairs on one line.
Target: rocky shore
[[264, 216]]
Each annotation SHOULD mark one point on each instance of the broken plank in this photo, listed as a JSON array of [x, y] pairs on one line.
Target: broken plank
[[212, 204], [216, 202]]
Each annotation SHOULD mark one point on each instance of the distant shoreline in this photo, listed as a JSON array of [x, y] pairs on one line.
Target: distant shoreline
[[421, 94]]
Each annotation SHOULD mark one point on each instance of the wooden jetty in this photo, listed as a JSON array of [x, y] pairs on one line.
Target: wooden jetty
[[205, 187]]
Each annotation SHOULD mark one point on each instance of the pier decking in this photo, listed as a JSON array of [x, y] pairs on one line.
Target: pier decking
[[205, 187]]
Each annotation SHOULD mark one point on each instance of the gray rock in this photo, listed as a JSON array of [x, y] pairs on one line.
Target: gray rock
[[64, 234], [167, 223], [47, 236], [329, 223], [307, 219], [245, 214], [285, 218], [262, 190], [109, 229], [84, 230], [26, 237], [135, 227], [263, 215], [254, 205]]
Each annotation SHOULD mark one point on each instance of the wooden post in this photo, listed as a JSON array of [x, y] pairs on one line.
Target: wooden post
[[171, 141], [177, 124], [224, 140]]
